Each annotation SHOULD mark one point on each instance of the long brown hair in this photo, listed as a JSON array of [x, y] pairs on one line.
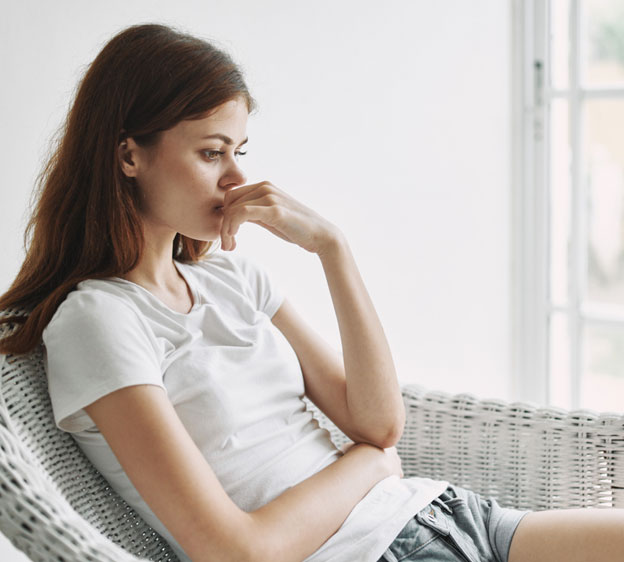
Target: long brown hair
[[85, 222]]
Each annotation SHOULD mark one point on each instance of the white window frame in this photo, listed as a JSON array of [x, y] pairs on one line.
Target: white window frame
[[532, 308], [529, 210]]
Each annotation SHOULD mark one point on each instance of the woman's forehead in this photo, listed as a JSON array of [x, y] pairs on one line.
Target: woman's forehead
[[226, 123]]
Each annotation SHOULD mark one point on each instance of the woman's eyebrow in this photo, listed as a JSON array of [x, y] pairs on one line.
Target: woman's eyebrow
[[224, 138]]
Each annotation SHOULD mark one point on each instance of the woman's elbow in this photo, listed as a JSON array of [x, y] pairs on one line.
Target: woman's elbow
[[390, 436], [395, 429]]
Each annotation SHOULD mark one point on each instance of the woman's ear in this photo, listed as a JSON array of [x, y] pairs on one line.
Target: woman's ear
[[127, 152]]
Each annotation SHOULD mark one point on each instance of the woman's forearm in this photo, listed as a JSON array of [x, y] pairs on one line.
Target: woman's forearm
[[299, 521], [373, 392]]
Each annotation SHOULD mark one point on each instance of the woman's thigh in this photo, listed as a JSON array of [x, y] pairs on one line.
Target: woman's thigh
[[570, 535], [458, 526]]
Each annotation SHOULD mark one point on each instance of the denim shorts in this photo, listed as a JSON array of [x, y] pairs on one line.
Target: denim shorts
[[458, 526]]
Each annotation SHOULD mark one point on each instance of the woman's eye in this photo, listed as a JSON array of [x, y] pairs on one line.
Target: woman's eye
[[213, 154], [216, 154]]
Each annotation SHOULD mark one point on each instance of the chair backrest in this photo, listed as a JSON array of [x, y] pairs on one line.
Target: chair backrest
[[53, 501], [524, 455]]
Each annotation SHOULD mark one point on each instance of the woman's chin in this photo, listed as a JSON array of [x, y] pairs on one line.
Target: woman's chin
[[203, 236]]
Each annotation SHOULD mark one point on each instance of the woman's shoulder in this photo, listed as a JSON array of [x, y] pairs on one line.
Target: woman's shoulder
[[95, 301]]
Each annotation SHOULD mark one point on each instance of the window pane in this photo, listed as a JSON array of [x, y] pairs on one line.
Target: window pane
[[603, 42], [560, 375], [602, 384], [560, 158], [559, 43], [604, 160]]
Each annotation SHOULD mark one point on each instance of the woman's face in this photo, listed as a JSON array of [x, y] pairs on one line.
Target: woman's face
[[183, 179]]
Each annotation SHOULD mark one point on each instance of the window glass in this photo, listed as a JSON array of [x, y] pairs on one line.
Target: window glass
[[604, 164], [602, 385], [602, 23], [560, 381], [559, 43], [560, 160]]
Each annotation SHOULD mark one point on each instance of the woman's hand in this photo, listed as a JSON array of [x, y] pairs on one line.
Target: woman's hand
[[388, 459], [270, 207]]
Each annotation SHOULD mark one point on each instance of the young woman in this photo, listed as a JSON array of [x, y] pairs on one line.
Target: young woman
[[180, 370]]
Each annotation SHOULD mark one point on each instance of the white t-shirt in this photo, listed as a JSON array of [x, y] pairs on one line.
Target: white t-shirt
[[234, 381]]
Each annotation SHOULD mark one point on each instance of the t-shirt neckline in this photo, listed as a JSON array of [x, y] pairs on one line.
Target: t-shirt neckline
[[183, 271], [187, 278]]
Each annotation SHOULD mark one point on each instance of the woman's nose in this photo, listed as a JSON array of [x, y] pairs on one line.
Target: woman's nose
[[233, 177], [239, 176]]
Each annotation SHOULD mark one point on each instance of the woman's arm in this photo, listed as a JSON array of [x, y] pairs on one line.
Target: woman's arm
[[175, 480], [359, 393], [358, 390], [373, 394]]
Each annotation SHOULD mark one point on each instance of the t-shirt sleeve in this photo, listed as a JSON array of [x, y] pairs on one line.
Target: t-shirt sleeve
[[266, 292], [95, 344]]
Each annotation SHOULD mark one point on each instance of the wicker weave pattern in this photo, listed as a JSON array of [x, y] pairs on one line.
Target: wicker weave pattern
[[54, 505], [526, 457]]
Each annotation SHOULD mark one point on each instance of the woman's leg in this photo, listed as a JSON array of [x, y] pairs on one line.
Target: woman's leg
[[569, 535]]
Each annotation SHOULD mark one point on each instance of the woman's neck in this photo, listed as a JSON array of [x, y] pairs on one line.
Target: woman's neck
[[155, 269]]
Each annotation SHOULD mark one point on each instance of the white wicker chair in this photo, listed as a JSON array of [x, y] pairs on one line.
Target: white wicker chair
[[55, 506]]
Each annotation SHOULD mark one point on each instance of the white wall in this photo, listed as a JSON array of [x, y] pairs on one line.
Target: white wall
[[393, 122]]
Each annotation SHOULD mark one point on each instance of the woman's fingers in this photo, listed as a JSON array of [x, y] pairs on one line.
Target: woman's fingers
[[237, 213], [235, 217], [278, 212], [235, 194], [247, 192], [230, 244], [259, 214], [236, 206]]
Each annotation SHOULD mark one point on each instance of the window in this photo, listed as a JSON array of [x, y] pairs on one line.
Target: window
[[569, 203]]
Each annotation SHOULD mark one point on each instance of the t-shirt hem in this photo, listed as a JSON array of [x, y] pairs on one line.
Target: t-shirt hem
[[271, 309], [72, 418], [384, 534]]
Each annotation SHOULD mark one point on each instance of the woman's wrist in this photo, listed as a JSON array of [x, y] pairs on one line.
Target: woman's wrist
[[384, 461], [333, 240]]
